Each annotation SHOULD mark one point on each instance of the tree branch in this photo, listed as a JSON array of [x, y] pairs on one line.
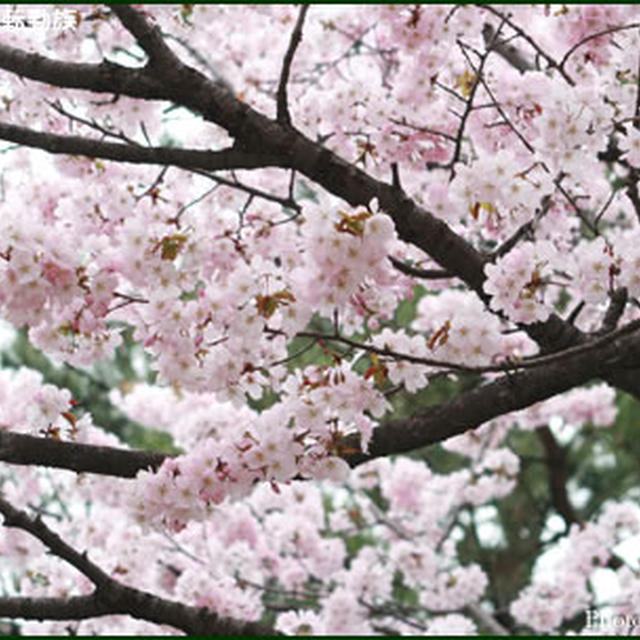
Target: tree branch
[[592, 36], [556, 462], [597, 342], [486, 620], [192, 159], [540, 52], [283, 116], [147, 36], [106, 77], [508, 393], [73, 608], [18, 448], [416, 272], [605, 356], [112, 597], [509, 52]]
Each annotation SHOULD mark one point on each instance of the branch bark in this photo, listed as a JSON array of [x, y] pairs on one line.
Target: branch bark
[[74, 608], [192, 159], [508, 393], [556, 461], [18, 448], [469, 410], [105, 77], [111, 597]]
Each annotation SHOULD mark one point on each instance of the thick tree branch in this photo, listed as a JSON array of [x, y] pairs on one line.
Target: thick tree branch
[[18, 448], [508, 393], [632, 189], [112, 597], [618, 354], [636, 111], [253, 131], [106, 77], [192, 159], [73, 608], [148, 36], [617, 302]]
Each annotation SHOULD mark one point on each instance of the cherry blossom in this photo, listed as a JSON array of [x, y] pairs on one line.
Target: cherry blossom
[[368, 271]]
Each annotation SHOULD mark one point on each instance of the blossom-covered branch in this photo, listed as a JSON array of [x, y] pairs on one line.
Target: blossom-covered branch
[[110, 597], [437, 423]]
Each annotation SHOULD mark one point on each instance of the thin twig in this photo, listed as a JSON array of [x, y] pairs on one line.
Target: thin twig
[[497, 105], [582, 214], [283, 116], [525, 363], [523, 231], [598, 34], [286, 202], [604, 208], [636, 111], [416, 272], [543, 54]]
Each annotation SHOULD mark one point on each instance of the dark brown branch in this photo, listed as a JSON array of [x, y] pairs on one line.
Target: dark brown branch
[[404, 123], [632, 192], [467, 110], [508, 393], [486, 620], [186, 86], [497, 105], [617, 303], [538, 380], [148, 36], [103, 131], [608, 355], [507, 51], [604, 208], [592, 346], [556, 461], [167, 156], [524, 231], [581, 213], [284, 201], [112, 597], [592, 36], [73, 608], [106, 77], [539, 51], [416, 272], [283, 116], [636, 111], [22, 449]]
